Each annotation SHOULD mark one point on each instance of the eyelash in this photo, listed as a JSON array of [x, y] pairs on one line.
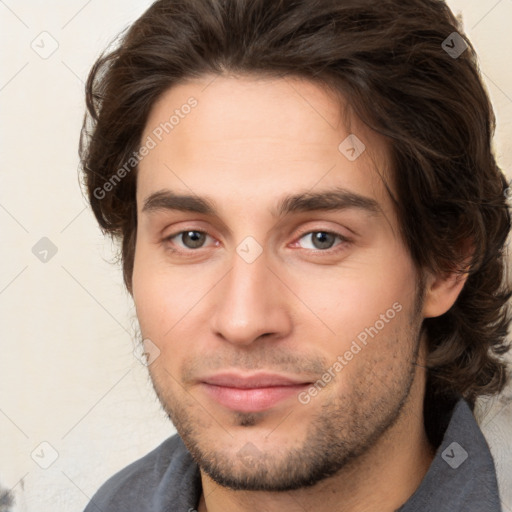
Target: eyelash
[[332, 250]]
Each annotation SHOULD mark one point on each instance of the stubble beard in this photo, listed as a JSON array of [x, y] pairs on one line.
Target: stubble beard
[[339, 433]]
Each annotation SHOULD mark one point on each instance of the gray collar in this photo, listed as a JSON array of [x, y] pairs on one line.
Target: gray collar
[[462, 476]]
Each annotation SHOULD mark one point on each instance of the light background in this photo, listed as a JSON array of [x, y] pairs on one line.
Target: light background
[[68, 376]]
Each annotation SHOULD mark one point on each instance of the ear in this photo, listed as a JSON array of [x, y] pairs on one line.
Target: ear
[[441, 292]]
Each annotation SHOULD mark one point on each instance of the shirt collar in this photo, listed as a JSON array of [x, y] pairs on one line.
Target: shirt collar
[[462, 476]]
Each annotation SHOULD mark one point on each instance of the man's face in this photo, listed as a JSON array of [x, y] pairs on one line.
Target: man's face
[[287, 333]]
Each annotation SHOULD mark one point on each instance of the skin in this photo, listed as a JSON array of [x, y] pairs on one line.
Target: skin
[[359, 444]]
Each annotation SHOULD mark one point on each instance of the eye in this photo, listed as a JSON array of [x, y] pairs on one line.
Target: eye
[[321, 240], [192, 239]]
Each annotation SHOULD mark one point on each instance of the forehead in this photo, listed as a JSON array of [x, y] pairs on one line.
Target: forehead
[[252, 140]]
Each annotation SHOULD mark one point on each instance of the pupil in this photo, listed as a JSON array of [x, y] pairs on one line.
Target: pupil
[[322, 240], [194, 237]]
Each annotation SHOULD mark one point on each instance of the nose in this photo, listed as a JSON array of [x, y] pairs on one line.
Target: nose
[[251, 303]]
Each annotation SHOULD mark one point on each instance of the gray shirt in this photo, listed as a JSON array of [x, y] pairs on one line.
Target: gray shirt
[[461, 477]]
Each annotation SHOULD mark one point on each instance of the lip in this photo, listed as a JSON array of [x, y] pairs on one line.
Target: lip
[[251, 393]]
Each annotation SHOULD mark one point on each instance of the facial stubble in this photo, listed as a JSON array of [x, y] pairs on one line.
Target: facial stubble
[[339, 432]]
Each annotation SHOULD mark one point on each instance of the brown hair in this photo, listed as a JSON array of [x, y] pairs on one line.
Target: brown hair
[[390, 59]]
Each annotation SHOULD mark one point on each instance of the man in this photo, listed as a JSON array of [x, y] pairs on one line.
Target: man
[[312, 226]]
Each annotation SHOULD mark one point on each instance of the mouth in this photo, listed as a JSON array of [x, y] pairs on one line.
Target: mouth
[[251, 393]]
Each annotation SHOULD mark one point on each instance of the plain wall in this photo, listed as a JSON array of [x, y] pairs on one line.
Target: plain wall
[[69, 378]]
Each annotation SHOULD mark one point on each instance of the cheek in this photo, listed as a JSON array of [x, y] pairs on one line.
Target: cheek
[[159, 310], [150, 293], [158, 302], [347, 300], [166, 298]]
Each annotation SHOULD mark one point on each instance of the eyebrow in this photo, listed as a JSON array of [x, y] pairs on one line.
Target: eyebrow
[[328, 200]]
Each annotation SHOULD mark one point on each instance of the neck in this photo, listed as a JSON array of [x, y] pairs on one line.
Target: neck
[[382, 479]]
